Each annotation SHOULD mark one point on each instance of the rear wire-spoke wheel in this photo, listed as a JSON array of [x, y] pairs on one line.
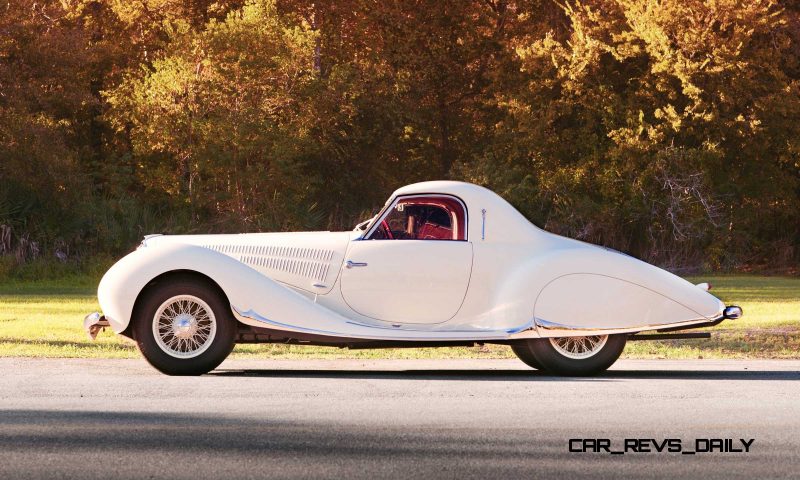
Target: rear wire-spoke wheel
[[578, 348], [184, 326], [572, 356]]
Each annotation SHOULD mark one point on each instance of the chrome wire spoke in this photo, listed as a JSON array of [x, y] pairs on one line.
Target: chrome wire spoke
[[184, 326], [579, 347], [171, 312]]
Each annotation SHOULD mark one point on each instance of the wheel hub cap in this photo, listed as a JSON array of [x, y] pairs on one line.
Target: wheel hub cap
[[184, 325]]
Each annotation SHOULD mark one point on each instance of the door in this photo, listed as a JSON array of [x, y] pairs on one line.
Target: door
[[414, 265]]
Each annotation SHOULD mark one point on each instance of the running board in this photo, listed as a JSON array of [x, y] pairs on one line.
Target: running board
[[669, 336]]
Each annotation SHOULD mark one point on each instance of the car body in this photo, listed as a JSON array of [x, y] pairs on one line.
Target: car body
[[443, 263]]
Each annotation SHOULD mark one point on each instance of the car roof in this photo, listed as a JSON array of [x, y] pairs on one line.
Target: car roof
[[449, 187], [481, 203]]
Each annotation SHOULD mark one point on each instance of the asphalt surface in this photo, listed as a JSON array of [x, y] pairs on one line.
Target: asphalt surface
[[393, 419]]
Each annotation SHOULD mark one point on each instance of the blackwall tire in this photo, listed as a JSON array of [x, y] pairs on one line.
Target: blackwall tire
[[184, 326], [558, 358], [523, 351]]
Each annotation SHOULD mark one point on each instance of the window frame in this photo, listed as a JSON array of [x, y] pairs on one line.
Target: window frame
[[389, 207]]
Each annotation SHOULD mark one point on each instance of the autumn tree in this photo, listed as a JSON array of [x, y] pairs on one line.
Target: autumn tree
[[213, 121], [666, 128]]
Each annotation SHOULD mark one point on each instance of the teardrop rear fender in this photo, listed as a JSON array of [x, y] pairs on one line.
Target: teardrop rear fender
[[583, 288]]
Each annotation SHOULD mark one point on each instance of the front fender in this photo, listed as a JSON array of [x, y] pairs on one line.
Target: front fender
[[587, 288], [246, 289]]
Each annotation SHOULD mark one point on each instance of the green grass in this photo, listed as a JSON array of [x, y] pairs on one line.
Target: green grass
[[43, 319], [770, 327]]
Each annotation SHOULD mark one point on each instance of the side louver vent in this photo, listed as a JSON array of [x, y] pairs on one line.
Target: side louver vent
[[311, 263]]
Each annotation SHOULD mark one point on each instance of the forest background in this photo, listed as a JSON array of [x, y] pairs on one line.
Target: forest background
[[667, 129]]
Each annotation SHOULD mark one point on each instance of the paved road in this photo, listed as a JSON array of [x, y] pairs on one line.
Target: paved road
[[391, 419]]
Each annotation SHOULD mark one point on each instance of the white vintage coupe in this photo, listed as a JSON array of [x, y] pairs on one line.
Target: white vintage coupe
[[442, 264]]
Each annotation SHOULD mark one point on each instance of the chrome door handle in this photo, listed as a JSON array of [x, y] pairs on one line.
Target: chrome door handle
[[351, 264]]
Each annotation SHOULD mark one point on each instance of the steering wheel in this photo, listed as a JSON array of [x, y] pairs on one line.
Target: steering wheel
[[386, 230]]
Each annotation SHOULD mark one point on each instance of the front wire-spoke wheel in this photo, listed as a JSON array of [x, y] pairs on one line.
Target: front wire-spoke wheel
[[572, 356], [184, 326]]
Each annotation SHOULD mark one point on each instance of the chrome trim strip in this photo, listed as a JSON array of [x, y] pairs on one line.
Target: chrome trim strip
[[536, 328], [521, 328], [547, 329], [405, 328]]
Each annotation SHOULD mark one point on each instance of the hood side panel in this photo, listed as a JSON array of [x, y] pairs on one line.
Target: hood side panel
[[308, 261]]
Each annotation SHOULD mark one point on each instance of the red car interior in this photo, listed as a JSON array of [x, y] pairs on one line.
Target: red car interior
[[423, 218]]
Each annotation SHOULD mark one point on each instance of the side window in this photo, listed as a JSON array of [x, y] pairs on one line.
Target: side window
[[422, 218]]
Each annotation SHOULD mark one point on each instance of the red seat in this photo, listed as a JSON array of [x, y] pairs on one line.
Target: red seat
[[431, 231]]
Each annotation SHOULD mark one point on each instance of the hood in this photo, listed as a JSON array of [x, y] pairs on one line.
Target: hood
[[306, 260]]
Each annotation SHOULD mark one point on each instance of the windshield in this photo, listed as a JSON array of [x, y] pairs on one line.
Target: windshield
[[363, 225]]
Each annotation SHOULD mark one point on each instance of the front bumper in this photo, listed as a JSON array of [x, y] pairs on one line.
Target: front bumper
[[93, 323]]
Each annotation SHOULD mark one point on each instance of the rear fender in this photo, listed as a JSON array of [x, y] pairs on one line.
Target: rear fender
[[591, 288]]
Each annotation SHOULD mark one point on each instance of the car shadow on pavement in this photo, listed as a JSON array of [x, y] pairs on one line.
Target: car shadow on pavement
[[433, 374], [771, 375], [512, 375]]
